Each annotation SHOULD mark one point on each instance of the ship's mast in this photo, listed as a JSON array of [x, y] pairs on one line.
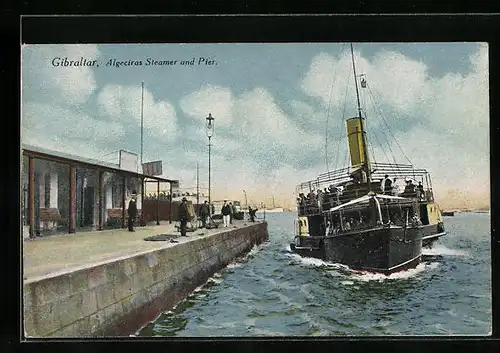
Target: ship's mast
[[366, 164]]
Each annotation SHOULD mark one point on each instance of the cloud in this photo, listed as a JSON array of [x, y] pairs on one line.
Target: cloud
[[264, 145], [441, 122], [44, 120], [45, 82], [252, 123], [123, 105], [402, 82], [209, 99]]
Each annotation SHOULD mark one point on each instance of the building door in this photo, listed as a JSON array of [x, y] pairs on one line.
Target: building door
[[88, 210], [36, 226]]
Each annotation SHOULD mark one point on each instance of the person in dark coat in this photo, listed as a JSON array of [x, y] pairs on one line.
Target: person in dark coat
[[420, 191], [234, 211], [204, 212], [251, 213], [132, 212], [226, 213], [183, 216], [410, 187], [387, 185]]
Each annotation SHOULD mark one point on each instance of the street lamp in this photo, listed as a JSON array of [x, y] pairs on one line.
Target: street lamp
[[210, 132], [246, 203]]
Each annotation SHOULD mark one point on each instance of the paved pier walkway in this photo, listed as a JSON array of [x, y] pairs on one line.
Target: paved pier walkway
[[62, 253]]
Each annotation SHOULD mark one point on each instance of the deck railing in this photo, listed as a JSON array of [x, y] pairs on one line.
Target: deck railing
[[312, 207]]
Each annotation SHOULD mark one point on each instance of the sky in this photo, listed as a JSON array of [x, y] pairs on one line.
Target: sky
[[279, 109]]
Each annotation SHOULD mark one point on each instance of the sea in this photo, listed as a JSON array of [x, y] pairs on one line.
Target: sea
[[273, 292]]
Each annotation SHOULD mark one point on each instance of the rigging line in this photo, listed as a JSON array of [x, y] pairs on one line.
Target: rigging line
[[343, 114], [347, 157], [381, 146], [328, 111], [397, 143], [373, 153], [387, 140], [385, 137], [371, 146]]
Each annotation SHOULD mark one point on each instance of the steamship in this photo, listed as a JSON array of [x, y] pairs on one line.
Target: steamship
[[359, 220]]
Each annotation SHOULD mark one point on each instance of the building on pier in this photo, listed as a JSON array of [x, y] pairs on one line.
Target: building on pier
[[63, 193]]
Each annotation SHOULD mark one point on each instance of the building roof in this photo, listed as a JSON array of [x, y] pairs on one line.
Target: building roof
[[44, 153]]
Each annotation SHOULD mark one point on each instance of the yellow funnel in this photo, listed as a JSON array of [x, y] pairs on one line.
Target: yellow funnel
[[355, 140]]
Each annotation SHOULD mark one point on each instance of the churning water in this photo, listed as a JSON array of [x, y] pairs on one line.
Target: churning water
[[272, 292]]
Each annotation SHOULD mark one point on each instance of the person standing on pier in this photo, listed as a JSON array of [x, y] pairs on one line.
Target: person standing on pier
[[235, 211], [231, 215], [183, 216], [226, 213], [132, 212], [251, 213], [204, 211]]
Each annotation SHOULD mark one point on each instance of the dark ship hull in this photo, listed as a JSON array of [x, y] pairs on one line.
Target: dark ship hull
[[358, 216], [383, 250]]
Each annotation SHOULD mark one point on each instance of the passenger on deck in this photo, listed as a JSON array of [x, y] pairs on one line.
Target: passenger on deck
[[387, 185], [395, 188], [420, 191], [328, 229], [326, 199], [410, 187], [347, 225], [361, 221], [396, 220], [415, 221], [302, 203], [382, 184], [312, 202], [320, 199], [364, 177]]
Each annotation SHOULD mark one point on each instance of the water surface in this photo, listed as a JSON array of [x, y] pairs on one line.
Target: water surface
[[273, 292]]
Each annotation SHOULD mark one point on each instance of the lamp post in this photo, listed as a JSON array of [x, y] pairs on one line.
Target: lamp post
[[246, 203], [210, 132]]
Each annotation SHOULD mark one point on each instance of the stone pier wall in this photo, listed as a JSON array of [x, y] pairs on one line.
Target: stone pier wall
[[117, 297]]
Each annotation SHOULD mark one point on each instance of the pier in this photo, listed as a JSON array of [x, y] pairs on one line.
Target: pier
[[111, 282]]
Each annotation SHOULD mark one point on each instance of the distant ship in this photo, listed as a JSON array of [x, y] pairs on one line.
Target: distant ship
[[271, 210], [360, 222], [274, 209]]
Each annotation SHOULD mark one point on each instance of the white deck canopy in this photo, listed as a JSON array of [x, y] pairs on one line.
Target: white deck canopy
[[366, 198]]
